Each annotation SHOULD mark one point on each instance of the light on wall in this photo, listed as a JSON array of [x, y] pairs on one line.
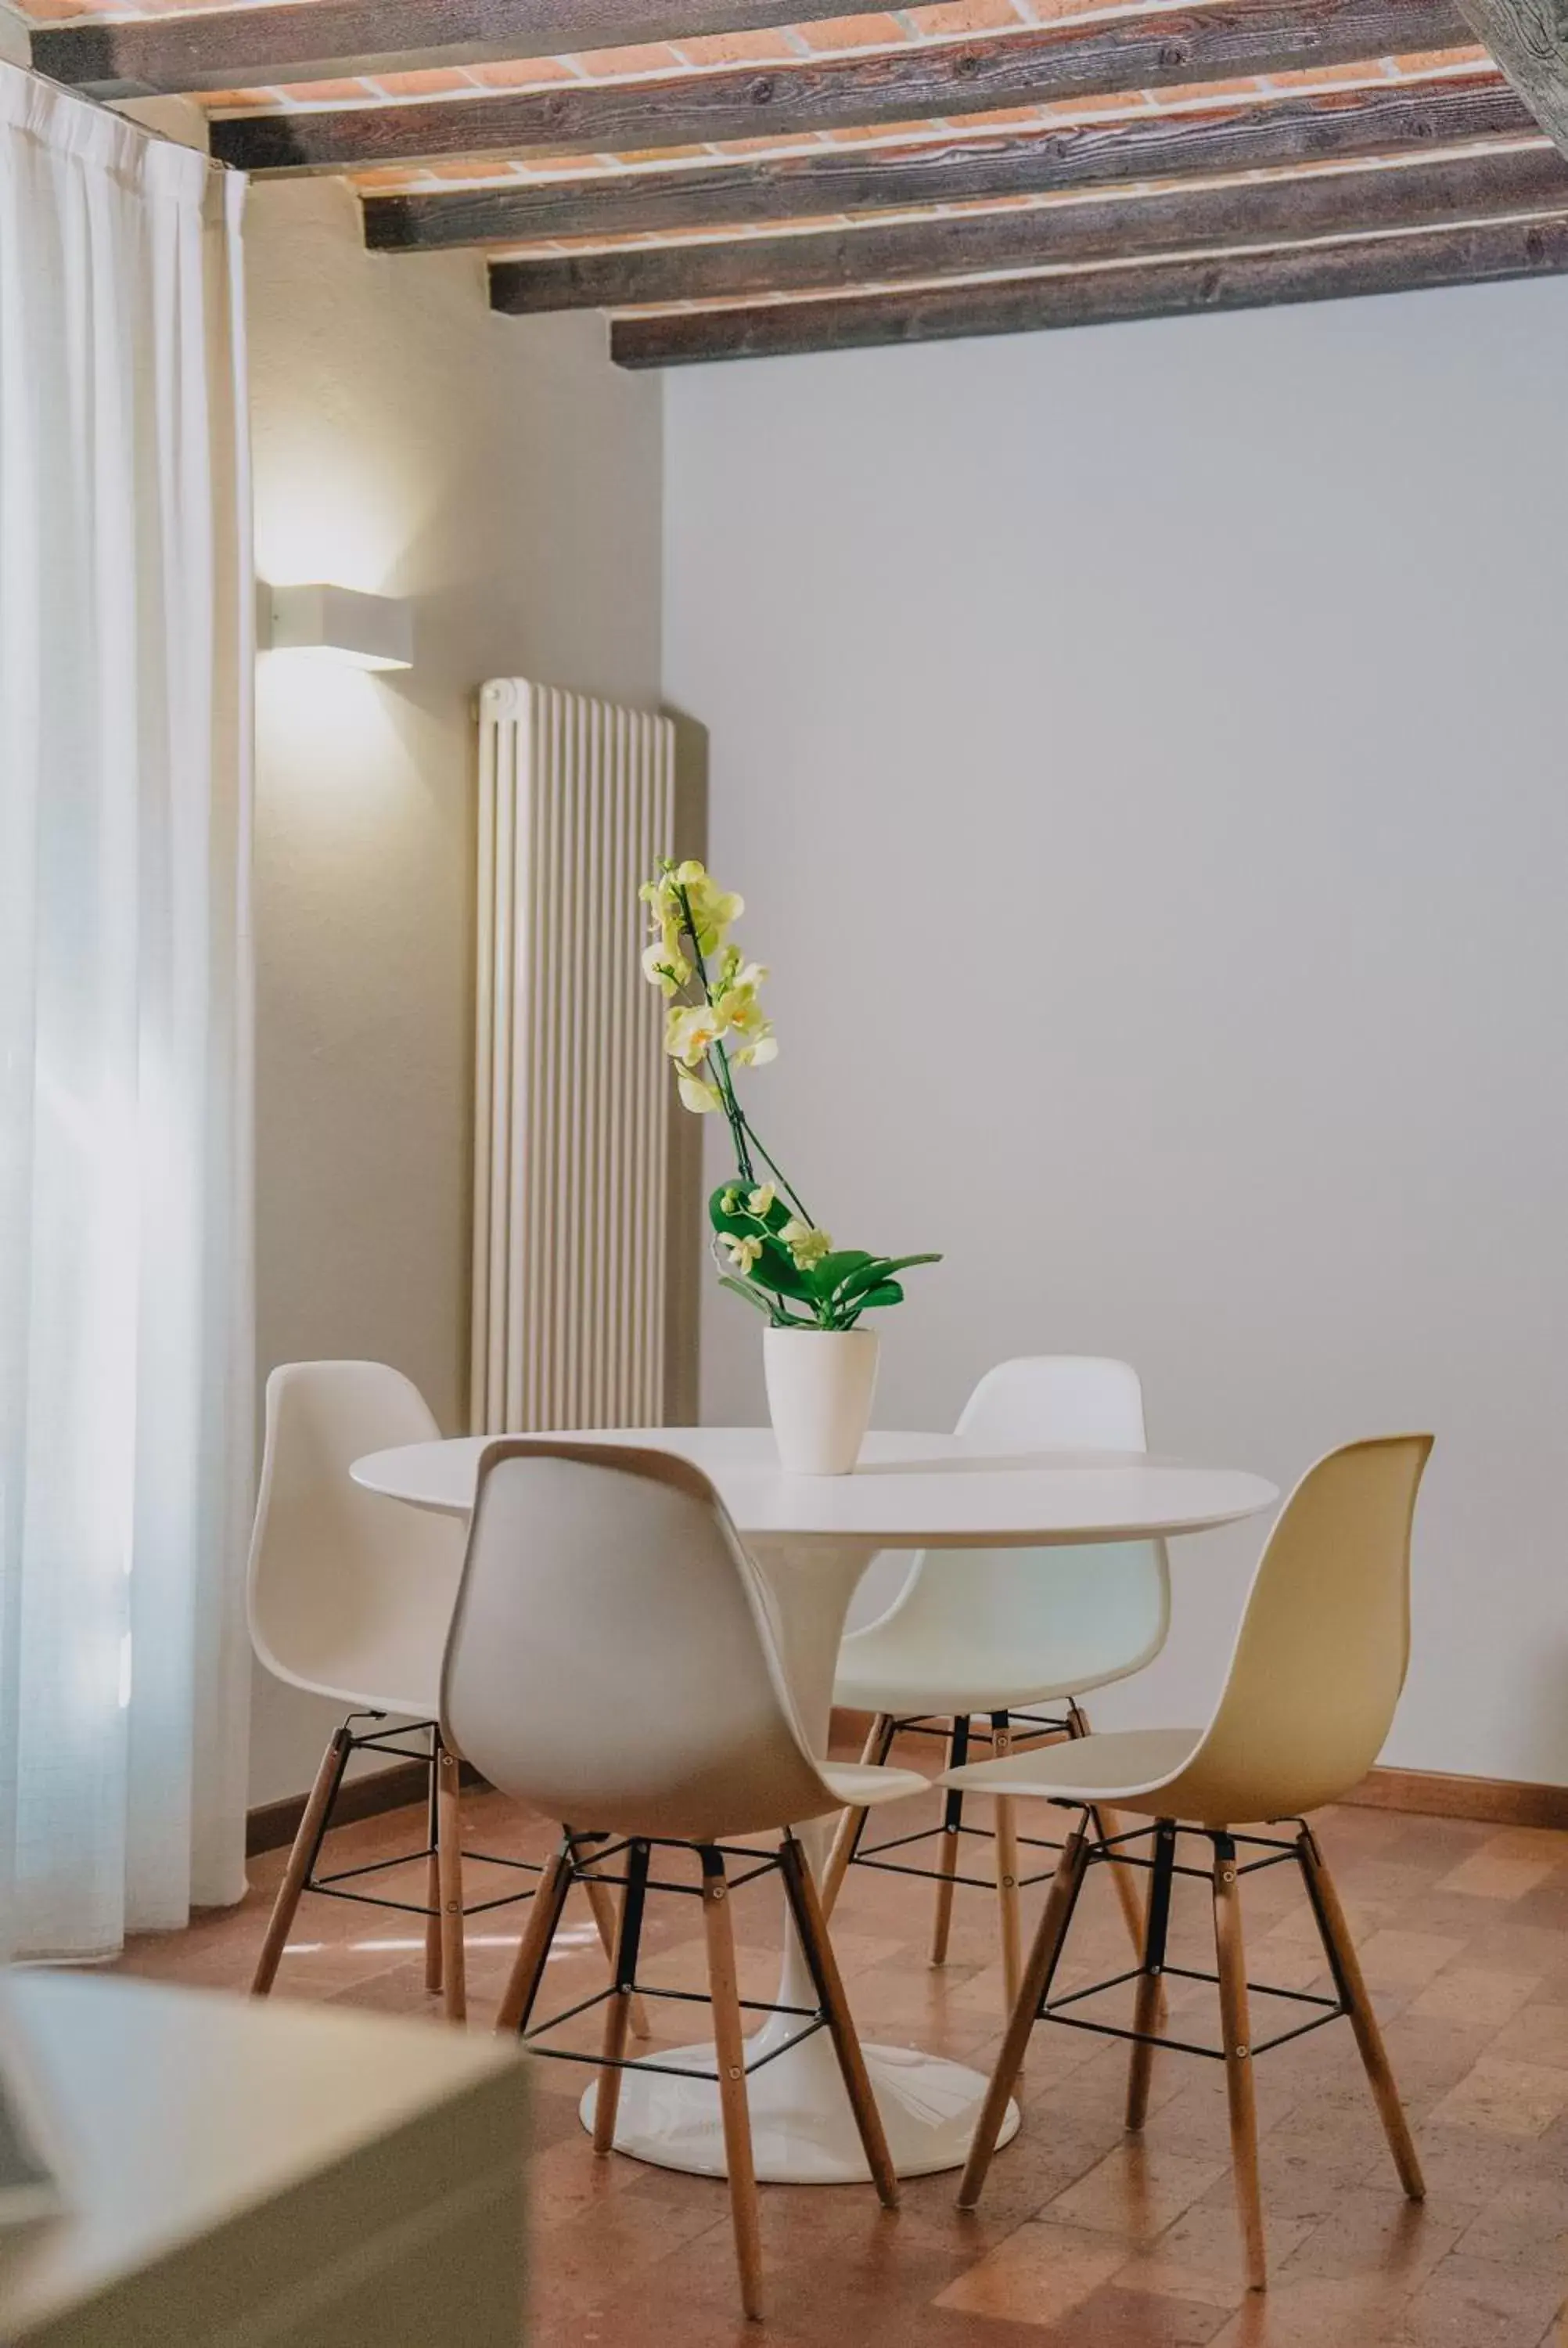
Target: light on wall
[[339, 623]]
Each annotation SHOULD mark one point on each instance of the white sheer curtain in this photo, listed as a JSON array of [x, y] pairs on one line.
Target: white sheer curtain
[[125, 1305]]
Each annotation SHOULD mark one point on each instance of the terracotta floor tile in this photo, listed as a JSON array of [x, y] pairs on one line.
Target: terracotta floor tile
[[1116, 2317], [1475, 2303], [1524, 2225], [1506, 2098], [1038, 2274], [1475, 1994], [1315, 2311], [1378, 2235], [1138, 2190], [1200, 2257], [1538, 2033], [1394, 1957], [1491, 1873]]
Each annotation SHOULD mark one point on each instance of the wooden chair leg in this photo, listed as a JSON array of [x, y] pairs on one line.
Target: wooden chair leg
[[947, 1854], [1033, 1990], [1108, 1824], [601, 1899], [811, 1926], [449, 1877], [852, 1825], [1236, 2021], [730, 2047], [1345, 1967], [617, 2012], [544, 1918], [433, 1884], [1008, 1909], [301, 1859], [1146, 2008]]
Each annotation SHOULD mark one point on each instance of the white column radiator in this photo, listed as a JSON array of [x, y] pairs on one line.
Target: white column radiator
[[576, 804]]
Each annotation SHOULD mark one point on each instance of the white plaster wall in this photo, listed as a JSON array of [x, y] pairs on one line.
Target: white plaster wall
[[1143, 753], [501, 474]]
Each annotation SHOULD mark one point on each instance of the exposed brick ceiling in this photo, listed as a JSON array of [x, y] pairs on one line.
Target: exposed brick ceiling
[[587, 203]]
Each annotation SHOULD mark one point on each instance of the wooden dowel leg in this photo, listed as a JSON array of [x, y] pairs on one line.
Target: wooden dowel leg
[[1108, 1826], [947, 1850], [1345, 1967], [1008, 1906], [730, 2047], [852, 1824], [533, 1951], [433, 1886], [1236, 2021], [312, 1826], [811, 1926], [449, 1876], [1148, 2004], [1033, 1990], [617, 2012]]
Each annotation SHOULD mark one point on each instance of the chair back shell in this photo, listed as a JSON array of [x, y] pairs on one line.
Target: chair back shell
[[349, 1594], [1321, 1656], [1084, 1615], [612, 1658]]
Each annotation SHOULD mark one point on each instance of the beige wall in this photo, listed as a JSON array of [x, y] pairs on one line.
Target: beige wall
[[502, 475], [1141, 751]]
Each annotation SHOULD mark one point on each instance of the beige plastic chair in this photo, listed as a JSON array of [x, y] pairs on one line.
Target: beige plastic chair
[[350, 1596], [1000, 1632], [1319, 1664], [613, 1660]]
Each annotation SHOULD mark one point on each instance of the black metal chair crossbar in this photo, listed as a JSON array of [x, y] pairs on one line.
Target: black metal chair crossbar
[[634, 1882]]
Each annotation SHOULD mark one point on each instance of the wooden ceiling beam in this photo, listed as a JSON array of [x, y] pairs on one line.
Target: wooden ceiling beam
[[1391, 119], [1461, 255], [1464, 185], [1024, 68], [1528, 38], [317, 40]]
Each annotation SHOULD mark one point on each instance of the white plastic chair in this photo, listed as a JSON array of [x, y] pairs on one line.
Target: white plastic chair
[[350, 1596], [1316, 1673], [612, 1659], [998, 1631]]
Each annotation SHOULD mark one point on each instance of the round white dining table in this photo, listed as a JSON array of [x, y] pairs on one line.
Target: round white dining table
[[813, 1537]]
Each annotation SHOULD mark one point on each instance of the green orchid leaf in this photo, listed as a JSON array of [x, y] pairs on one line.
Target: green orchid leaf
[[775, 1270], [827, 1275], [864, 1275], [743, 1219], [753, 1296], [880, 1268], [886, 1291]]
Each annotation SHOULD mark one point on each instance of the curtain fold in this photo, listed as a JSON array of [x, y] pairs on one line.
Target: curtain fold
[[125, 1324]]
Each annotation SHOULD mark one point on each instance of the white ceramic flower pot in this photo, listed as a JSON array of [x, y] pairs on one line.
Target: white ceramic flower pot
[[820, 1384]]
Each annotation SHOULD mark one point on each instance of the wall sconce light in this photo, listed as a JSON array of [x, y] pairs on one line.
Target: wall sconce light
[[338, 624]]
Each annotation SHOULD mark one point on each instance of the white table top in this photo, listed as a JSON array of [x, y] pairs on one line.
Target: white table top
[[909, 1491]]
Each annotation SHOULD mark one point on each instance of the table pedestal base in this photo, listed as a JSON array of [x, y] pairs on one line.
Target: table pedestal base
[[802, 2130]]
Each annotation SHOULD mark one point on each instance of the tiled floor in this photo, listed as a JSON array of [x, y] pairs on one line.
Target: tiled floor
[[1086, 2239]]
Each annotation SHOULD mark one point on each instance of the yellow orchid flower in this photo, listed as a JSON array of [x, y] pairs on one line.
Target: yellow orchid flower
[[698, 1094], [805, 1244], [743, 1248], [664, 970], [760, 1200], [690, 1032]]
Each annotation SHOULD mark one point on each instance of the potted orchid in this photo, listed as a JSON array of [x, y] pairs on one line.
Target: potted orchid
[[820, 1362]]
